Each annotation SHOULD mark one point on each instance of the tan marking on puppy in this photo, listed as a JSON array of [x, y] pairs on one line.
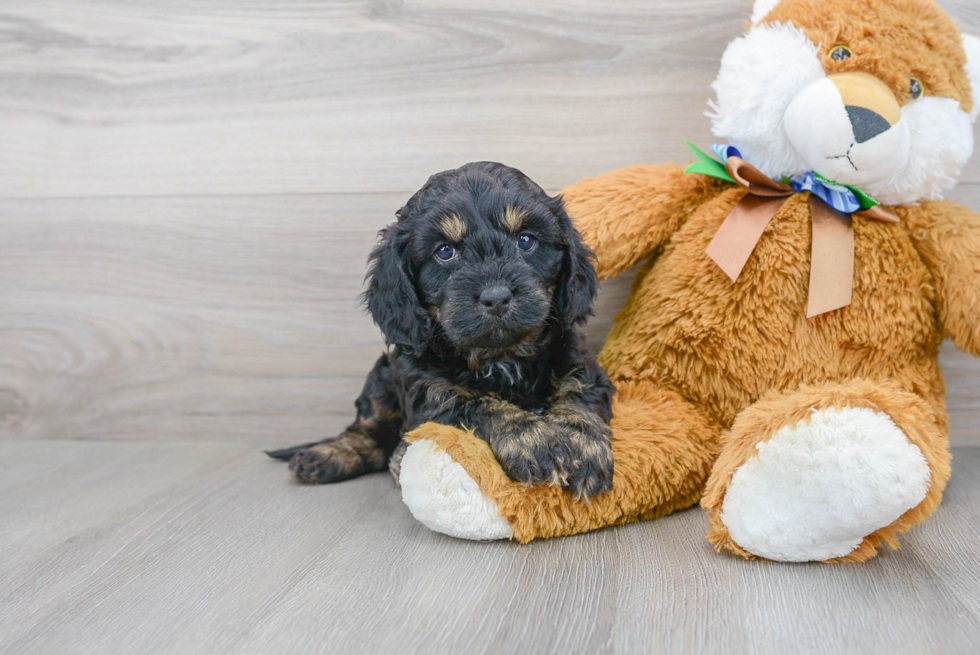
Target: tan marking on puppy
[[513, 219], [521, 443], [444, 394], [568, 386], [453, 227], [379, 414]]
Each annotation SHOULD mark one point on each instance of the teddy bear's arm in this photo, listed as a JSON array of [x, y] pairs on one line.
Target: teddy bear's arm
[[947, 236], [625, 215]]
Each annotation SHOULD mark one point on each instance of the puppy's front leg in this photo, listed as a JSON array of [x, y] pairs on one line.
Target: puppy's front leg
[[570, 445], [580, 411], [521, 441], [583, 451]]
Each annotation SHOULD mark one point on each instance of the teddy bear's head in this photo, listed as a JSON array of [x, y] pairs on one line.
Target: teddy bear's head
[[875, 94]]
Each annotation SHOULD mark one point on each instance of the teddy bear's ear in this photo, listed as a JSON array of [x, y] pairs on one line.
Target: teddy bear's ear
[[972, 46], [761, 9]]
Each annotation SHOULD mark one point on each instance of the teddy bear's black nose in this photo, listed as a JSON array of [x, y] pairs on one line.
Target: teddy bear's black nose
[[866, 123], [496, 300]]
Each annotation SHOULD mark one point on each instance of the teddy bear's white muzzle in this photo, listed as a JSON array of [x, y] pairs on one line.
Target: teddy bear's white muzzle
[[852, 142]]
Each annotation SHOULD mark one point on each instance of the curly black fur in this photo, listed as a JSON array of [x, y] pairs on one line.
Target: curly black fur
[[478, 288]]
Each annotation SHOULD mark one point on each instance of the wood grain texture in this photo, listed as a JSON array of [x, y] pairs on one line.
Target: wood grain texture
[[207, 97], [228, 555], [203, 318]]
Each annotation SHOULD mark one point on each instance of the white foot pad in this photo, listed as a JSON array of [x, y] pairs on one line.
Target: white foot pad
[[441, 494], [818, 488]]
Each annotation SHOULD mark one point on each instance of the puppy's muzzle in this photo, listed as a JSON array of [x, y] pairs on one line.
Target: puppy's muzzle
[[496, 300]]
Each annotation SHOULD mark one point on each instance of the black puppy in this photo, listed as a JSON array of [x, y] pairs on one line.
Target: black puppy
[[478, 287]]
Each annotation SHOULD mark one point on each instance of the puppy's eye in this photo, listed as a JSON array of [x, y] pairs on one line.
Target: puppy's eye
[[840, 53], [445, 252], [915, 89], [526, 242]]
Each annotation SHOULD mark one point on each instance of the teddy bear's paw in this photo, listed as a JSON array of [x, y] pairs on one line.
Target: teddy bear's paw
[[442, 495], [816, 489]]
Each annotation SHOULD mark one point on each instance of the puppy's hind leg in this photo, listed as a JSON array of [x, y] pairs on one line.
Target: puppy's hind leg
[[286, 454], [365, 446], [347, 456]]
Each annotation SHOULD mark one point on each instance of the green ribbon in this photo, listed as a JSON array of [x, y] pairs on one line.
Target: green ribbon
[[708, 165]]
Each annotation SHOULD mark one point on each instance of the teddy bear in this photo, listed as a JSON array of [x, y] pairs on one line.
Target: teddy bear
[[777, 358]]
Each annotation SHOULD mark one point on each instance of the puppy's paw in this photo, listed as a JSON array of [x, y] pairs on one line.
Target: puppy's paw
[[329, 462], [583, 456], [528, 456]]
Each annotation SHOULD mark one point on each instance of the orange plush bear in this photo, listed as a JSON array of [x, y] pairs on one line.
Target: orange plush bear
[[777, 359]]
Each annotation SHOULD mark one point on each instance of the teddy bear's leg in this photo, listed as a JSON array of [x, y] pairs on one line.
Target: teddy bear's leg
[[662, 447], [827, 473]]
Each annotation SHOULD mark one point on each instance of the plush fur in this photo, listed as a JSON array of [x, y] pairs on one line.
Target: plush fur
[[761, 9], [816, 489], [971, 45], [719, 380], [657, 436], [787, 57], [441, 493], [877, 491], [761, 73], [479, 288]]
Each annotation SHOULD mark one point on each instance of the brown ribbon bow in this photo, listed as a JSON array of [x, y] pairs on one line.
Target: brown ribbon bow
[[832, 254]]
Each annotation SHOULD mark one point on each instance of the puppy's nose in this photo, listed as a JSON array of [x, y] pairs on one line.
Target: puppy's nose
[[496, 299]]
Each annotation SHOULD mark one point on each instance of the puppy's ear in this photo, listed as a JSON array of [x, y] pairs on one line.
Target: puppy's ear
[[391, 296], [579, 282]]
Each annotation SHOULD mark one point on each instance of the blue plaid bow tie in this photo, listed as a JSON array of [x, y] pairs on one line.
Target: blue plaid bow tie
[[839, 197], [842, 198]]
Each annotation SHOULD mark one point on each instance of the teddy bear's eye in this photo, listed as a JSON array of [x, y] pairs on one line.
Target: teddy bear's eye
[[840, 53], [915, 89]]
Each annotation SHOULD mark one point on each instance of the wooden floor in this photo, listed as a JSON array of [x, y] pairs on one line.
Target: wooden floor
[[208, 548], [188, 192]]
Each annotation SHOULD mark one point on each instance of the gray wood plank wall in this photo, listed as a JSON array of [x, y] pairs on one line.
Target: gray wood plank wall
[[189, 188]]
